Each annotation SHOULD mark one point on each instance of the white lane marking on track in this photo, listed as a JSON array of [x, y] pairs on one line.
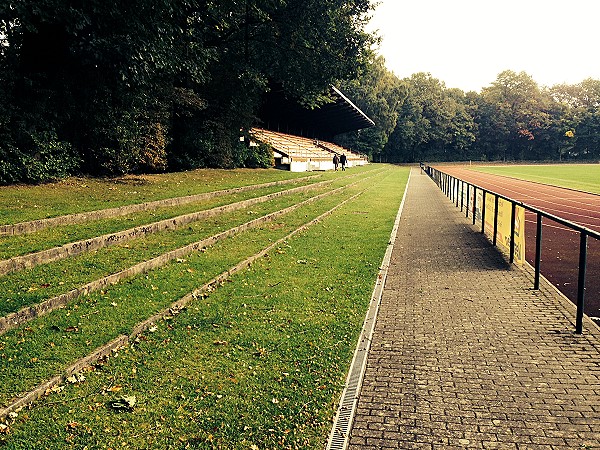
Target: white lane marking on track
[[527, 185]]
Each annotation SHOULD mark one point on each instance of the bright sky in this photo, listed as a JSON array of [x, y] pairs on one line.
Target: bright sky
[[467, 43]]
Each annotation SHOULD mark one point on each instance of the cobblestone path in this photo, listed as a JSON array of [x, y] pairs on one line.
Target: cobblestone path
[[465, 353]]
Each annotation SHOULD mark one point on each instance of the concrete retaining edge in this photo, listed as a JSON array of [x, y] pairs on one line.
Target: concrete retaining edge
[[76, 248], [28, 313], [37, 225]]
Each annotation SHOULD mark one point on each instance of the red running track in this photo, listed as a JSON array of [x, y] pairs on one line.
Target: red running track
[[560, 245]]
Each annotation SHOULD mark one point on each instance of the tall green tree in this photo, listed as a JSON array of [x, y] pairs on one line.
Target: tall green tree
[[517, 113], [433, 124], [580, 103], [96, 76], [131, 85], [461, 132], [379, 94], [303, 46]]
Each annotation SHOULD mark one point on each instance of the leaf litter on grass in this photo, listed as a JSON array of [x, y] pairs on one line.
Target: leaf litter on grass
[[105, 320], [221, 395], [121, 256]]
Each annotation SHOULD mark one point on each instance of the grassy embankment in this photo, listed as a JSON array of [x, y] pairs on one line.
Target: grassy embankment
[[260, 362], [75, 195]]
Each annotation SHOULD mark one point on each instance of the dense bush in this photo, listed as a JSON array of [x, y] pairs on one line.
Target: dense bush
[[11, 164], [51, 159], [46, 160], [203, 143], [257, 157]]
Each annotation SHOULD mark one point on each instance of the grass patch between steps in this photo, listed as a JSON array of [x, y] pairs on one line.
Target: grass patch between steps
[[259, 363]]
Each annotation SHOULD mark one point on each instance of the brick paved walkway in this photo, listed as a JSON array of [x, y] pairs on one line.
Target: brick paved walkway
[[465, 354]]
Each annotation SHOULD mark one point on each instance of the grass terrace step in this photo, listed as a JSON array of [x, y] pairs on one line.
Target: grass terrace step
[[76, 195], [97, 242], [37, 309], [261, 361], [36, 225], [49, 343], [16, 245], [35, 285]]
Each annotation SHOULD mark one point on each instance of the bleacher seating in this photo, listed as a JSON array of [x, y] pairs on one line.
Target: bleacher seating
[[300, 154]]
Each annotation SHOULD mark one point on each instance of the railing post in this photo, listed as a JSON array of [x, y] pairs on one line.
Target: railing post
[[462, 195], [446, 184], [455, 190], [457, 183], [474, 204], [483, 212], [581, 282], [512, 232], [538, 252], [495, 219], [468, 199]]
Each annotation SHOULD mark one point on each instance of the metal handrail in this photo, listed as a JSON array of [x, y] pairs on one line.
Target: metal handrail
[[450, 185]]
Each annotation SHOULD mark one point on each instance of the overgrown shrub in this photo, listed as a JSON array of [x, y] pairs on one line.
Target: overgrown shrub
[[11, 169], [50, 160], [211, 144], [47, 159], [129, 146], [255, 156], [153, 151], [202, 144]]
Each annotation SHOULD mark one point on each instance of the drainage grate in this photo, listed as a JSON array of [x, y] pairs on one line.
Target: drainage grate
[[340, 433]]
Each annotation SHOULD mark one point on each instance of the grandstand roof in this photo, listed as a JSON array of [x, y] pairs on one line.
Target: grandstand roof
[[301, 147], [286, 115]]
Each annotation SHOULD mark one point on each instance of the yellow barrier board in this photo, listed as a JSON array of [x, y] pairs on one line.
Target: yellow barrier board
[[503, 232], [489, 215]]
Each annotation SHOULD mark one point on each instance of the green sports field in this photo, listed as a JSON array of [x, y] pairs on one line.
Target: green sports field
[[584, 177]]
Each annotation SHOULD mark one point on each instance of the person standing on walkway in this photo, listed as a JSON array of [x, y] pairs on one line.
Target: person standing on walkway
[[336, 161], [343, 161]]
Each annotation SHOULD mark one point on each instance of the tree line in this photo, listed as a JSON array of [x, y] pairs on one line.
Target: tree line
[[108, 88], [112, 87], [512, 119]]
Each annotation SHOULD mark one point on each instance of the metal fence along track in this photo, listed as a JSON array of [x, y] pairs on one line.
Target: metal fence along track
[[454, 189]]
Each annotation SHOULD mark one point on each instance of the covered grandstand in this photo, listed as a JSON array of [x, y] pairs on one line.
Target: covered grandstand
[[300, 154], [302, 138]]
